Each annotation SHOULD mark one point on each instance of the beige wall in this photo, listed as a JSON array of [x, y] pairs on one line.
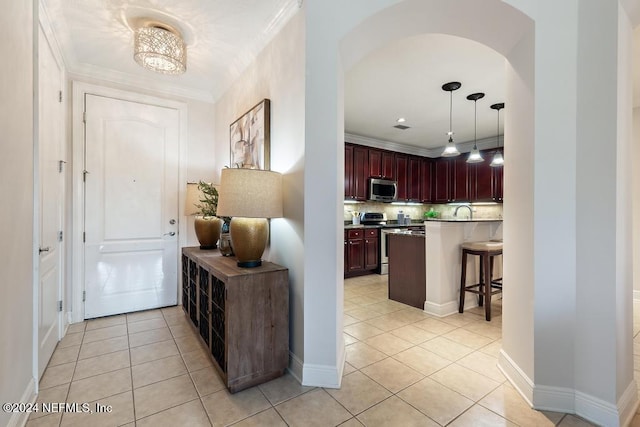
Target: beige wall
[[16, 208], [277, 74]]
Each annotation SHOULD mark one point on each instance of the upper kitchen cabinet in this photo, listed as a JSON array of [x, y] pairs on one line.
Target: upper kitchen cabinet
[[381, 164], [356, 172], [485, 182], [450, 180], [426, 171], [402, 175], [408, 177]]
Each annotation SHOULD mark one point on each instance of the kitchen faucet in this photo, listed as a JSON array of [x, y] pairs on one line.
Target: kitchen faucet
[[455, 213]]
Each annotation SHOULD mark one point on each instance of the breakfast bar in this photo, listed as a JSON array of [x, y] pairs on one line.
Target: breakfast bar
[[426, 267]]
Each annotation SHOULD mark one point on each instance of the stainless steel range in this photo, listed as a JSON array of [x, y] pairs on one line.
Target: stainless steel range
[[373, 218], [380, 218]]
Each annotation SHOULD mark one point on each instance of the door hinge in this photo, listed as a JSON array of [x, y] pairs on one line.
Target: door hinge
[[84, 175], [84, 236], [61, 165], [84, 296], [84, 117], [59, 305], [59, 96], [59, 236]]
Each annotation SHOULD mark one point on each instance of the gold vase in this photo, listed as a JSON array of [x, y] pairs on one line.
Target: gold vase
[[208, 231]]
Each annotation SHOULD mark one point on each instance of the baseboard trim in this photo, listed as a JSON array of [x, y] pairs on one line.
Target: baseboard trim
[[19, 419], [516, 376], [557, 399], [441, 310], [295, 367], [593, 409], [628, 403], [448, 308]]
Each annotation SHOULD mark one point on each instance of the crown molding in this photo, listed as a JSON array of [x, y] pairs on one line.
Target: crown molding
[[88, 72], [463, 147]]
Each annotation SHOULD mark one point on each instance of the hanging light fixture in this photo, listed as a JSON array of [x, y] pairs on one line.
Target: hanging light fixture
[[498, 160], [450, 150], [474, 156], [159, 47]]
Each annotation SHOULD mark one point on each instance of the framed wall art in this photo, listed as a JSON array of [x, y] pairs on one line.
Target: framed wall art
[[250, 138]]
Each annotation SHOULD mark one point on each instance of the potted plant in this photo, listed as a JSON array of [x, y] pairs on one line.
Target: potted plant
[[208, 226]]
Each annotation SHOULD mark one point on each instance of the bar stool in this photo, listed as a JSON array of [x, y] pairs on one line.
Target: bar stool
[[486, 251]]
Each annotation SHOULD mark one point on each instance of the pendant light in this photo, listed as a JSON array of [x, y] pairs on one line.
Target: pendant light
[[498, 160], [450, 150], [474, 156]]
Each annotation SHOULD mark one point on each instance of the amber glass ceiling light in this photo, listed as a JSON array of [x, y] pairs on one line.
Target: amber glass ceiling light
[[498, 160], [450, 150], [474, 155], [160, 48]]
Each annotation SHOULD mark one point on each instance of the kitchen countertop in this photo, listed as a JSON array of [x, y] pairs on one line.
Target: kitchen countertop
[[349, 226]]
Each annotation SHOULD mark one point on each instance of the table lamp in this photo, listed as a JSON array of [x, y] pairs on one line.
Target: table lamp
[[250, 196]]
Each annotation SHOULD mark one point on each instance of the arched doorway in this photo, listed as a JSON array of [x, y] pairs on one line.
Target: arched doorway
[[545, 256]]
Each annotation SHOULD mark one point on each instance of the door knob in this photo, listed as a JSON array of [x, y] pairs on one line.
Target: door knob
[[47, 249], [172, 233]]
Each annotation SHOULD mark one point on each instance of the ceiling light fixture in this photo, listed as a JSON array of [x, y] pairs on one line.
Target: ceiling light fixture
[[159, 47], [498, 160], [450, 150], [474, 156]]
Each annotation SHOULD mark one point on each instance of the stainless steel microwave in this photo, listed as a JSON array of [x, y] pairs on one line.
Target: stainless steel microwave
[[383, 190]]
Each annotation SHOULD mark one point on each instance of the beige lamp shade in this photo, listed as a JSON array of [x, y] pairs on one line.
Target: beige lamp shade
[[193, 198], [250, 193]]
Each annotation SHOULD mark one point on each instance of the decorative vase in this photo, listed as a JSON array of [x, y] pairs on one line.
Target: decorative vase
[[208, 231]]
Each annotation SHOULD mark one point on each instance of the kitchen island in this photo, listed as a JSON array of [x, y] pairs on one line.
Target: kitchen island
[[439, 268]]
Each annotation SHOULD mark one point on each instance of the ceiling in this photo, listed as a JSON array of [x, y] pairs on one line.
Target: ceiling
[[405, 78], [223, 37]]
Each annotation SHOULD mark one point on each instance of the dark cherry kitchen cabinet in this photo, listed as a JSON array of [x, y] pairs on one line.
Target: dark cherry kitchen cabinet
[[362, 251], [381, 164], [497, 181], [408, 177], [402, 175], [348, 172], [371, 249], [414, 179], [355, 250], [481, 179], [486, 181], [356, 172], [426, 165], [441, 177], [450, 180]]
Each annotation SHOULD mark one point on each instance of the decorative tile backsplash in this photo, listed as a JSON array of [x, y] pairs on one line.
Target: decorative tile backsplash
[[480, 211]]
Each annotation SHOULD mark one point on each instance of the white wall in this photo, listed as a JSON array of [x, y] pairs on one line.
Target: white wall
[[277, 74], [16, 209], [635, 208]]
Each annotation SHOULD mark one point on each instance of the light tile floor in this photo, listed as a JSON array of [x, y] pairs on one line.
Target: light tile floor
[[403, 368]]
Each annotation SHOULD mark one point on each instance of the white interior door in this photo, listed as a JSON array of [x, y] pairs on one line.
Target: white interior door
[[51, 150], [131, 206]]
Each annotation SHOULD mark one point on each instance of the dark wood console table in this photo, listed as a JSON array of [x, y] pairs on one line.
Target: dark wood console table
[[241, 314]]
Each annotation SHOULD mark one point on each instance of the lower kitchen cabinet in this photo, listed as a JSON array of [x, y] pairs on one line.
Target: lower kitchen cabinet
[[362, 251], [241, 315]]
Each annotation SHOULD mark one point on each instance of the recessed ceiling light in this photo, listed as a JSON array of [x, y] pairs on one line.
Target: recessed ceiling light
[[401, 120]]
